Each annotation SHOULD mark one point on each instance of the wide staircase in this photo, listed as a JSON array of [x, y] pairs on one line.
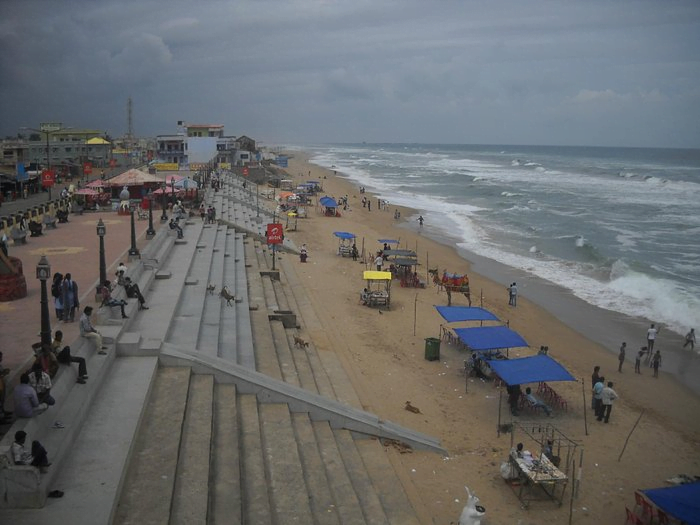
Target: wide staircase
[[211, 414]]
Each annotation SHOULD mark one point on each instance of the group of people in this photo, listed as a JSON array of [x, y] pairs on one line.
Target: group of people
[[64, 291], [512, 294], [603, 396], [208, 214]]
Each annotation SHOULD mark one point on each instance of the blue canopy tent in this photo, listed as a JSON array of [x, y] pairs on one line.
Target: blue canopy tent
[[681, 502], [484, 338], [346, 240], [532, 369], [388, 241], [455, 314], [330, 206]]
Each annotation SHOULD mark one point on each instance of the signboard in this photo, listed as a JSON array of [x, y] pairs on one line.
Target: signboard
[[51, 126], [112, 163], [87, 168], [245, 171], [282, 161], [225, 165], [167, 166], [22, 172], [275, 233], [48, 178]]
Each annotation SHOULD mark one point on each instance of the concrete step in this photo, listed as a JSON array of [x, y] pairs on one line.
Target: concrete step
[[191, 495], [320, 495], [284, 353], [366, 492], [346, 502], [388, 487], [225, 488], [288, 492], [148, 487], [256, 503], [100, 454]]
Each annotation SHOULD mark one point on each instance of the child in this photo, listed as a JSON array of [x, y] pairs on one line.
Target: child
[[638, 360]]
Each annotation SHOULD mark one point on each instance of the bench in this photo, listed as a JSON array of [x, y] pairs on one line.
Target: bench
[[49, 221], [35, 229], [18, 236]]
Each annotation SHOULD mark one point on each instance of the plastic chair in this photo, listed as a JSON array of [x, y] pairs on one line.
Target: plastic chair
[[645, 507], [663, 517]]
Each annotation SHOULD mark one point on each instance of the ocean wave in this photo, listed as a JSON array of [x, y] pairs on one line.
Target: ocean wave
[[510, 194]]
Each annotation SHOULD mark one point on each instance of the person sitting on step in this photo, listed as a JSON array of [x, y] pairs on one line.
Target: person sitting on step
[[108, 300], [175, 226], [134, 292]]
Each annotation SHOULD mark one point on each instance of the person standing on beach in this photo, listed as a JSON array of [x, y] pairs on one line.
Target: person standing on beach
[[608, 395], [690, 339], [598, 399], [595, 377], [638, 360], [420, 220], [651, 337], [513, 295], [621, 357], [379, 261], [656, 363]]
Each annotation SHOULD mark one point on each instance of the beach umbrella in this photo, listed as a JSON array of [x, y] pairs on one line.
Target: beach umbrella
[[97, 183]]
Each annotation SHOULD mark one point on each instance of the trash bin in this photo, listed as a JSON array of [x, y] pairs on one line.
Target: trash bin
[[432, 349]]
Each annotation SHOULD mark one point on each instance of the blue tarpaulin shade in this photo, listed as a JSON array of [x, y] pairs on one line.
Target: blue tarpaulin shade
[[344, 235], [490, 338], [454, 314], [530, 370], [388, 241], [328, 202], [682, 501]]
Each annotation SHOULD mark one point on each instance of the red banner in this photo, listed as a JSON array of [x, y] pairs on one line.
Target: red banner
[[87, 168], [112, 163], [275, 234], [245, 171], [48, 178]]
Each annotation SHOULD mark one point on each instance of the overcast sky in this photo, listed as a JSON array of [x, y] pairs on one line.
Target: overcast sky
[[590, 72]]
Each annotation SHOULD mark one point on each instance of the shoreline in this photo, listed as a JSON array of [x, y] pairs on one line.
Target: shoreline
[[605, 327]]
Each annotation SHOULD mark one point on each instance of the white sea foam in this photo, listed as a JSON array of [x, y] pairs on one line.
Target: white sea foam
[[622, 210]]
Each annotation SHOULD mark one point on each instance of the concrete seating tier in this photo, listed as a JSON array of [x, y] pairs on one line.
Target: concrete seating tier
[[270, 466]]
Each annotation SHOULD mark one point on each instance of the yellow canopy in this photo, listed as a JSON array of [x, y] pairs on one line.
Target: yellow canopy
[[97, 140], [292, 214], [373, 275]]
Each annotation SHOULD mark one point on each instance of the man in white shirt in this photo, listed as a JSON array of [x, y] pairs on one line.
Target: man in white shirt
[[89, 332], [379, 261], [651, 337]]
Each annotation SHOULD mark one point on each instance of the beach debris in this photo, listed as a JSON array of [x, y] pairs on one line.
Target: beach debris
[[401, 448], [411, 408]]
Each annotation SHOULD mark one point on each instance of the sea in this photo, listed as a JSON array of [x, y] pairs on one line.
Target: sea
[[618, 228]]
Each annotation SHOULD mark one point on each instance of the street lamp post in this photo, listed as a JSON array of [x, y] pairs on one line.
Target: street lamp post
[[101, 232], [43, 273], [164, 216], [150, 232], [133, 251]]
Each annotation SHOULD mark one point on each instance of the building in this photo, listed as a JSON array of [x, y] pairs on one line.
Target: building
[[68, 147]]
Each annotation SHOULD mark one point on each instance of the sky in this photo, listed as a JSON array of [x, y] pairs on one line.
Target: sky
[[539, 72]]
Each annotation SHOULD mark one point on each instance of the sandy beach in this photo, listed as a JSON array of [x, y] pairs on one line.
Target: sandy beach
[[384, 355]]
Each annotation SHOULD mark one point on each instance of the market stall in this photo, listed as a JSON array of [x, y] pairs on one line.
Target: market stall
[[377, 291], [346, 241]]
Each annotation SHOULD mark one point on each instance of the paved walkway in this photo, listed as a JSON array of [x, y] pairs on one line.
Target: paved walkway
[[73, 248]]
